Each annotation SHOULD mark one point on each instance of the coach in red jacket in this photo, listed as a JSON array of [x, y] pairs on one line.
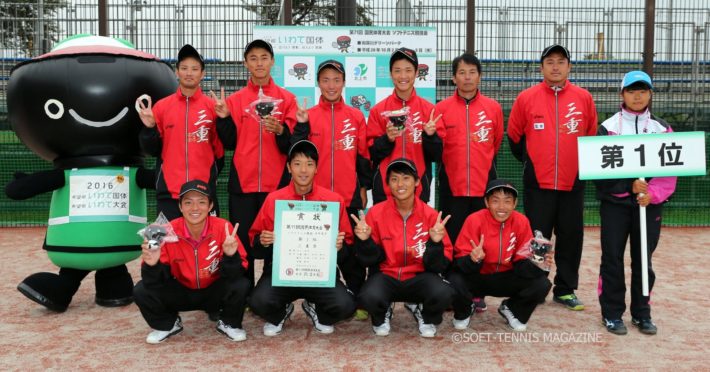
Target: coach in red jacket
[[324, 306], [204, 270], [543, 128], [260, 147], [407, 239], [180, 131], [489, 260], [473, 132], [418, 141]]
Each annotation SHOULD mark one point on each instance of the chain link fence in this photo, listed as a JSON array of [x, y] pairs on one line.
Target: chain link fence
[[605, 38]]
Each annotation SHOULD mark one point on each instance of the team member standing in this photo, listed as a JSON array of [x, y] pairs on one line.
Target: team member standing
[[204, 270], [340, 134], [407, 239], [490, 260], [543, 128], [260, 146], [180, 131], [619, 210], [417, 141], [324, 306]]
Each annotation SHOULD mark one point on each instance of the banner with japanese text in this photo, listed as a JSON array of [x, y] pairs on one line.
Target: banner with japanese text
[[644, 155], [364, 51]]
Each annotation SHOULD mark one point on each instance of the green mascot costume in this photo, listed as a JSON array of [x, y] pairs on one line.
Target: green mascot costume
[[74, 107]]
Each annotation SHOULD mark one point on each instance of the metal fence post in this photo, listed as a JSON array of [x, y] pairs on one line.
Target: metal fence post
[[345, 12], [471, 26], [648, 42], [103, 17]]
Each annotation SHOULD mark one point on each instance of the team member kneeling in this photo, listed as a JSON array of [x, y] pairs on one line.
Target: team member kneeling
[[408, 240], [487, 262], [204, 270], [324, 306]]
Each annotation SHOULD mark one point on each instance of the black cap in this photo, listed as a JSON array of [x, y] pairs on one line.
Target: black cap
[[555, 48], [500, 184], [402, 163], [409, 54], [332, 64], [195, 185], [189, 51], [303, 146], [258, 43]]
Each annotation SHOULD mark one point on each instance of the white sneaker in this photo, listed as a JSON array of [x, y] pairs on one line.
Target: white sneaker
[[384, 328], [157, 336], [508, 315], [310, 310], [461, 324], [425, 329], [274, 329], [234, 334]]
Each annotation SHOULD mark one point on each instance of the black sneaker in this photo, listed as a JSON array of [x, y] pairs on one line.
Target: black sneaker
[[646, 326], [615, 326], [570, 301]]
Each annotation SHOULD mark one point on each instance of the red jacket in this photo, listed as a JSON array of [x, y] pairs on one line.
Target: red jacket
[[340, 134], [550, 122], [404, 242], [473, 132], [410, 145], [265, 219], [190, 145], [196, 264], [259, 161], [501, 241]]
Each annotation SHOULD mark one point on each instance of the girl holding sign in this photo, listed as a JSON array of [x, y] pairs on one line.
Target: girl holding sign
[[619, 210]]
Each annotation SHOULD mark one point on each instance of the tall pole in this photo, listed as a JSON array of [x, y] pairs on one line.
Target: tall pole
[[345, 12], [288, 13], [649, 25], [103, 17], [471, 26]]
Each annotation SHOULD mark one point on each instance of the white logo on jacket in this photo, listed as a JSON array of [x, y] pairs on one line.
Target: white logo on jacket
[[201, 134], [573, 122], [417, 127], [214, 251], [348, 139], [420, 244]]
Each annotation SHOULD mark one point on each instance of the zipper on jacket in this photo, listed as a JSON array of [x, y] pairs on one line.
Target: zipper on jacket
[[332, 147], [636, 125], [557, 133], [399, 276], [187, 135], [261, 129], [197, 268], [500, 245], [468, 154], [404, 135]]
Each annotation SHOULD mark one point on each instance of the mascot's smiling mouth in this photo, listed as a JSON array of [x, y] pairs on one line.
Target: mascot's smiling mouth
[[53, 105], [99, 124]]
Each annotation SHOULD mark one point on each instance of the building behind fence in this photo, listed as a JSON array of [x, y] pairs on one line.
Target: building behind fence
[[605, 40]]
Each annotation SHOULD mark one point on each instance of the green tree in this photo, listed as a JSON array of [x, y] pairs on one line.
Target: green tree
[[307, 12], [19, 20]]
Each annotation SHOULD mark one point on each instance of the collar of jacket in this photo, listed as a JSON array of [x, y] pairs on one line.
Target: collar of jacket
[[415, 208], [309, 195], [266, 88], [490, 220], [627, 114], [186, 231], [196, 95], [561, 89], [464, 100], [397, 99], [326, 105]]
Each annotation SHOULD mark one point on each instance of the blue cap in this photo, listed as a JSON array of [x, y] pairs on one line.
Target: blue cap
[[634, 77]]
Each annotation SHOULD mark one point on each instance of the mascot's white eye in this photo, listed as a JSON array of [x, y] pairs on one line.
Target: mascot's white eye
[[59, 108]]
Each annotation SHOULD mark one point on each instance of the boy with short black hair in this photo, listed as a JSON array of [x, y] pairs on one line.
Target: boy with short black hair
[[619, 211], [203, 270], [490, 260]]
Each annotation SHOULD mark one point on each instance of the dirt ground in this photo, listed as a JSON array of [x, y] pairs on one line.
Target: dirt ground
[[89, 337]]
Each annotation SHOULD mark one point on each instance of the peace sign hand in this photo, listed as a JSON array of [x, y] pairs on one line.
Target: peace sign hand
[[437, 232], [430, 127], [362, 230], [302, 112], [145, 111], [230, 245], [477, 254], [220, 105]]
